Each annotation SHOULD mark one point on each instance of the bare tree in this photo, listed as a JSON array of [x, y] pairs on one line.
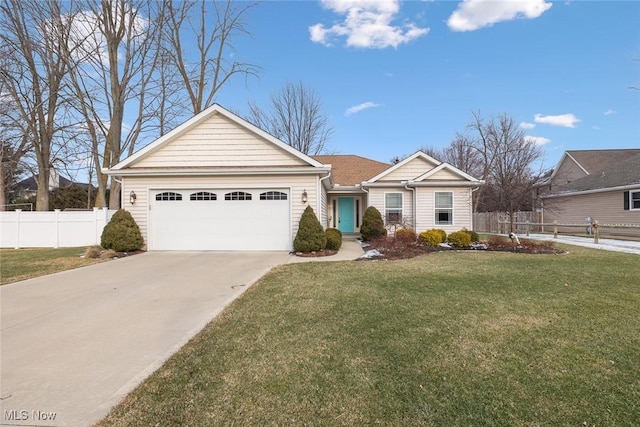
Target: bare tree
[[295, 117], [34, 31], [112, 75], [506, 158], [204, 68]]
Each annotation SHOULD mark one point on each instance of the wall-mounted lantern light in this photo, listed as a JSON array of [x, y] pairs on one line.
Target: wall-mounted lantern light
[[304, 196], [132, 197]]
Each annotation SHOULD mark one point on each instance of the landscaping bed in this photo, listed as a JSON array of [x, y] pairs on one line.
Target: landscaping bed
[[391, 248]]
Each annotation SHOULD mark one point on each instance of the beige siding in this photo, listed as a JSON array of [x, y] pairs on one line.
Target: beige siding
[[462, 208], [144, 185], [411, 170], [377, 199], [568, 171], [218, 142], [444, 174], [605, 207]]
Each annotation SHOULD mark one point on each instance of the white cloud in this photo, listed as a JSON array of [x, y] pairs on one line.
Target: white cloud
[[539, 140], [525, 125], [367, 24], [360, 107], [564, 120], [609, 112], [475, 14]]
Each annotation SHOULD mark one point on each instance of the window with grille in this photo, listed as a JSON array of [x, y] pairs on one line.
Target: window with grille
[[273, 195], [203, 195], [168, 196], [237, 195]]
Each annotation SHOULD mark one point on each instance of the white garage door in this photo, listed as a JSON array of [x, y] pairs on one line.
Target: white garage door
[[230, 219]]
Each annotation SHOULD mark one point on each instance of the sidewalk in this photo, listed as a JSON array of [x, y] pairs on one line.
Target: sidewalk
[[626, 246]]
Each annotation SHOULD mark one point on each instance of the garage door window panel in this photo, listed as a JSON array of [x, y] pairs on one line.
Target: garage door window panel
[[237, 195], [168, 196], [203, 195], [273, 195]]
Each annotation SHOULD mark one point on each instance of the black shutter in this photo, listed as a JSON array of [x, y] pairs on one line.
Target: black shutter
[[626, 200]]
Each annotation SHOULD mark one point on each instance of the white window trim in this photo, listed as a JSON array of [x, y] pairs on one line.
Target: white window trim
[[401, 206], [435, 207], [631, 193]]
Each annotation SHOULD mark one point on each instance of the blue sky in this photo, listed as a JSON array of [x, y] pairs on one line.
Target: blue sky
[[395, 76]]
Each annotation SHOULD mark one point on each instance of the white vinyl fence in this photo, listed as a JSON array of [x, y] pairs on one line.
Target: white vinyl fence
[[52, 229]]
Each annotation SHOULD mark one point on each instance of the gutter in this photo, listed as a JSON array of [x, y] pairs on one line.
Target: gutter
[[219, 172], [594, 191]]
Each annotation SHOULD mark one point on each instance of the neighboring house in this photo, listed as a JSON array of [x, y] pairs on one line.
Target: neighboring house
[[217, 182], [602, 185], [29, 187]]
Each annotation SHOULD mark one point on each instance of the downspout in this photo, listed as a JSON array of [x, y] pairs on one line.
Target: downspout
[[319, 207], [121, 190], [472, 212], [415, 205]]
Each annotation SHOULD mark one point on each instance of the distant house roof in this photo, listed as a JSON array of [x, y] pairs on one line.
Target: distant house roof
[[593, 161], [30, 183], [623, 172], [350, 170]]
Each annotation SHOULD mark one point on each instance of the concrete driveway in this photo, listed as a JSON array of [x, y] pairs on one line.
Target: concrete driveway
[[74, 343]]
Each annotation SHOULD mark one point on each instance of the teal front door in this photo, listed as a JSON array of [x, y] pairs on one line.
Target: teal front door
[[345, 214]]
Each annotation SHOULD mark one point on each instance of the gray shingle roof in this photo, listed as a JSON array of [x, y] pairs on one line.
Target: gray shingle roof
[[621, 173]]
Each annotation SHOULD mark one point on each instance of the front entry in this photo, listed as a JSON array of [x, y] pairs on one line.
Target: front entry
[[345, 214]]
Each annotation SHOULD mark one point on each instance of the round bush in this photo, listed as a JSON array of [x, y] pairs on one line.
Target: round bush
[[460, 239], [407, 235], [310, 236], [443, 234], [372, 224], [122, 233], [430, 238], [334, 238], [472, 235]]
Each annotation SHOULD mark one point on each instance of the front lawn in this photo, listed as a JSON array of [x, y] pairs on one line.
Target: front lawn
[[447, 339], [22, 264]]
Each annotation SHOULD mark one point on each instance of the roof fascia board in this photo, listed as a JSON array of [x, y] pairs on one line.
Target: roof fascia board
[[594, 191], [448, 167], [230, 171], [404, 162], [203, 115]]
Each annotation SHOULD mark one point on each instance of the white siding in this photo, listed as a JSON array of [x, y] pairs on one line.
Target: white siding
[[143, 185], [218, 142], [462, 209], [411, 170]]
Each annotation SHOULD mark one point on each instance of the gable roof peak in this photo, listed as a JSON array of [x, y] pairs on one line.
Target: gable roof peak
[[199, 118], [418, 154]]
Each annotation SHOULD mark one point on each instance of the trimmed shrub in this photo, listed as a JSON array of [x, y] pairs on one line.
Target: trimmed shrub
[[407, 235], [430, 238], [443, 234], [472, 235], [122, 233], [310, 236], [372, 224], [334, 238], [460, 239]]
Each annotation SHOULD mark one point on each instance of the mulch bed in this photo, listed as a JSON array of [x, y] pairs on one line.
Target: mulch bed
[[393, 249], [324, 252]]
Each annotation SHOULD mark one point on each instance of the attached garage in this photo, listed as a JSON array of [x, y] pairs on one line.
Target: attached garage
[[220, 219]]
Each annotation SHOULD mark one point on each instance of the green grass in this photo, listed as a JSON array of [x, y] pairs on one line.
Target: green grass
[[22, 264], [448, 339]]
